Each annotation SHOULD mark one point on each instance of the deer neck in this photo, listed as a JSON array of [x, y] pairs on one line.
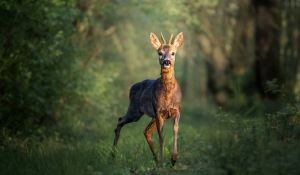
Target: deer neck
[[167, 81]]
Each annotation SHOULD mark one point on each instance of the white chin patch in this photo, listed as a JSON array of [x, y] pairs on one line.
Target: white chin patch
[[167, 66]]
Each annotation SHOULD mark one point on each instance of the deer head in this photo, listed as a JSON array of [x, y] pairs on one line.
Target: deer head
[[166, 52]]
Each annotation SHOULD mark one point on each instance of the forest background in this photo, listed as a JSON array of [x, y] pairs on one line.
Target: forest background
[[66, 67]]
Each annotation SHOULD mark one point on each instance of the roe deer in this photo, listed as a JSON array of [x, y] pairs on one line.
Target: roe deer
[[159, 99]]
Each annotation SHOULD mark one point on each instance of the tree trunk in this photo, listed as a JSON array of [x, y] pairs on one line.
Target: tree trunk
[[267, 32], [292, 47]]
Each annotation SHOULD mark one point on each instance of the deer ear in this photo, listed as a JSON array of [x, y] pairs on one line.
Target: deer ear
[[154, 41], [178, 40]]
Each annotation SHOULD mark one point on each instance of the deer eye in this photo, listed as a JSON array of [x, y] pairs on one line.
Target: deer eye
[[173, 53], [159, 53]]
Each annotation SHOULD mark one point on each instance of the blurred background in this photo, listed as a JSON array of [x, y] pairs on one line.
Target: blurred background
[[66, 66]]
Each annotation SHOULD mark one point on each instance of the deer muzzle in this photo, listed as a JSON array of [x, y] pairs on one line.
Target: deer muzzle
[[166, 64]]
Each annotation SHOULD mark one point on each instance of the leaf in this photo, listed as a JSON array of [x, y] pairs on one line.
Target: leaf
[[274, 80], [275, 86], [267, 90], [275, 91]]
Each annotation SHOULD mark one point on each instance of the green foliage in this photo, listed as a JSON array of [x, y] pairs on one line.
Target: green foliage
[[37, 56], [255, 146], [44, 77], [272, 86]]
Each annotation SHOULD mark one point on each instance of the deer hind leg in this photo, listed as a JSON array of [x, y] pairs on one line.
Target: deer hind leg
[[148, 134], [131, 116]]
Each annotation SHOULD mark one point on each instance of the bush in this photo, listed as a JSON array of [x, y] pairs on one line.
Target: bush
[[268, 145]]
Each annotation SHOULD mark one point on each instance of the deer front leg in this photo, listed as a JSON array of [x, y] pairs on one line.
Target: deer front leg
[[175, 131], [148, 135], [160, 124]]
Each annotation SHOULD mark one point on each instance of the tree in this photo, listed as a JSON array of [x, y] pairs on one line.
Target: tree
[[267, 46]]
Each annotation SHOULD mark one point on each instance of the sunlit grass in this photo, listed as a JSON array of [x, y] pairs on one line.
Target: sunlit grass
[[133, 156], [92, 156]]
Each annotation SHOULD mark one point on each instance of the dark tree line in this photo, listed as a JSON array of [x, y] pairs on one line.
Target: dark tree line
[[261, 46]]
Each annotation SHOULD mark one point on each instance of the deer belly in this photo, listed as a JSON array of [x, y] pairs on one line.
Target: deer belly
[[146, 103], [147, 109]]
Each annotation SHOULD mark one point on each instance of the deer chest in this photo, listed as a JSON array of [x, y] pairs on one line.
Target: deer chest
[[156, 100]]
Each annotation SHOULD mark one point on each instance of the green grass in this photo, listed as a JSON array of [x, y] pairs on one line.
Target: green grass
[[91, 155], [207, 144], [133, 156]]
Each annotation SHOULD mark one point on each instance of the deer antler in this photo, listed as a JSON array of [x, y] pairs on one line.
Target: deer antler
[[163, 39], [171, 39]]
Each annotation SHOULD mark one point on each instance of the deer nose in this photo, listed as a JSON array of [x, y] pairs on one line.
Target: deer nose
[[167, 62]]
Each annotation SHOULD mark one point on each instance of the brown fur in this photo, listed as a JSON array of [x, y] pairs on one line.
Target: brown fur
[[159, 99], [174, 159]]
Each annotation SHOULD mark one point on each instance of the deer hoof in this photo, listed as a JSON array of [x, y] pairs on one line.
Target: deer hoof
[[172, 163], [113, 154]]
